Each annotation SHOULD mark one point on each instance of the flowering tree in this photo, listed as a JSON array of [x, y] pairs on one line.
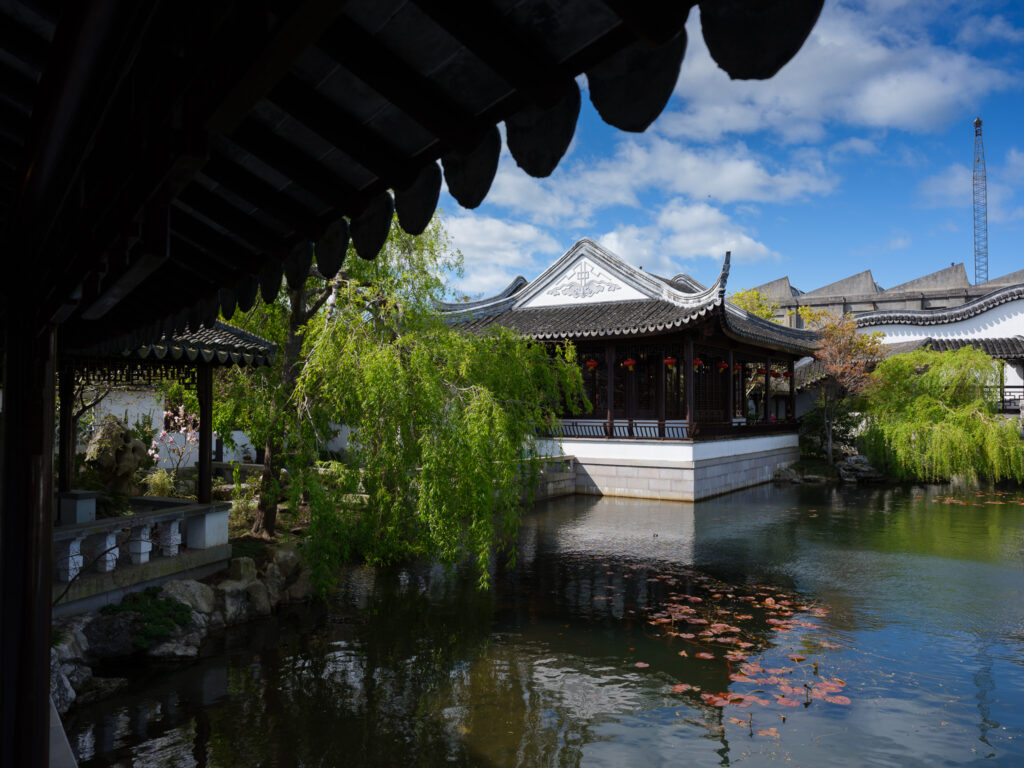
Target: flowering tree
[[178, 440], [847, 358]]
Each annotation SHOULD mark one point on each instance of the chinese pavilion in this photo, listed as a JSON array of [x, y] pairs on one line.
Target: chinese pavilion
[[690, 395]]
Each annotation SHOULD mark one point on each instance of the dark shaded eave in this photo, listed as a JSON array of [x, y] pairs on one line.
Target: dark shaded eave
[[743, 326], [204, 147], [220, 345]]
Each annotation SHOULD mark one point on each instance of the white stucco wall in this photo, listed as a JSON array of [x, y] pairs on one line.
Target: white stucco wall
[[998, 322]]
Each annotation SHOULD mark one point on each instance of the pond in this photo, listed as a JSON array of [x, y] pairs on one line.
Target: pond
[[800, 625]]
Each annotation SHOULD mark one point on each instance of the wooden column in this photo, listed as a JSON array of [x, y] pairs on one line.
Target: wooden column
[[791, 404], [730, 401], [66, 447], [688, 381], [609, 359], [767, 389], [661, 394], [26, 541], [204, 393]]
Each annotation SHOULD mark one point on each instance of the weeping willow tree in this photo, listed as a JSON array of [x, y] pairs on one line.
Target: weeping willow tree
[[440, 423], [931, 416]]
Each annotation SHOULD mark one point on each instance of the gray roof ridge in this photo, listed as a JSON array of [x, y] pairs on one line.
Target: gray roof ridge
[[940, 315]]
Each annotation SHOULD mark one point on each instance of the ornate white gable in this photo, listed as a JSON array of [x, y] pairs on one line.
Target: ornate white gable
[[582, 281]]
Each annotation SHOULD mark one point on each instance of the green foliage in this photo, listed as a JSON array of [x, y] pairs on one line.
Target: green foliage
[[931, 417], [756, 303], [155, 617], [814, 437], [442, 421], [159, 482]]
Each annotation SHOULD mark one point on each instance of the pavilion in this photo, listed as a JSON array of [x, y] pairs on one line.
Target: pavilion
[[690, 395], [161, 163]]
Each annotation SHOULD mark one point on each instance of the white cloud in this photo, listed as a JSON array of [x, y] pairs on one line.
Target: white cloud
[[685, 232], [852, 146], [876, 68], [953, 188], [652, 164], [978, 30], [496, 250], [899, 242]]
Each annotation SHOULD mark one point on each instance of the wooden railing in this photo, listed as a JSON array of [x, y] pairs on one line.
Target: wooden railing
[[1008, 398], [650, 429]]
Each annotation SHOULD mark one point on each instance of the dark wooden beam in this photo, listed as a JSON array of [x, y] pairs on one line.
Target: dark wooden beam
[[306, 171], [403, 85], [326, 119], [253, 230], [250, 187], [66, 447], [26, 542], [204, 393], [488, 34], [23, 43]]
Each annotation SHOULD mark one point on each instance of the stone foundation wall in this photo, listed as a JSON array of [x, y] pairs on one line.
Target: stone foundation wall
[[692, 480]]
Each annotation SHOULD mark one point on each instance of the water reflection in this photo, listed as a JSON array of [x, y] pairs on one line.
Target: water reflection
[[560, 665]]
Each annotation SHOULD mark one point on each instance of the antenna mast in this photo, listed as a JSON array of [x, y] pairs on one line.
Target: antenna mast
[[980, 209]]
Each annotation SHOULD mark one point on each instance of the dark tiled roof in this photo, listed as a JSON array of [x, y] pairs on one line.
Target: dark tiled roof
[[942, 316], [1006, 348], [222, 344], [810, 371], [574, 321], [748, 327], [636, 318]]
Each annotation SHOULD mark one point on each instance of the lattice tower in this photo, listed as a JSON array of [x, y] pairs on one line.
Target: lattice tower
[[980, 208]]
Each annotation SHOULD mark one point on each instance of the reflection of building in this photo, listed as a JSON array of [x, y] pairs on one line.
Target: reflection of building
[[677, 377]]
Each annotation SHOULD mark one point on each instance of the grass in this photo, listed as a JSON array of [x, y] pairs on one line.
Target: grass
[[156, 617]]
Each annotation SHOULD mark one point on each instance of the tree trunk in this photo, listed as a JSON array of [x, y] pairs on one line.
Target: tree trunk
[[828, 434], [270, 481], [270, 485]]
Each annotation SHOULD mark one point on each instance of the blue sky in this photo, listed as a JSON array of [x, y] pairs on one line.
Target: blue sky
[[857, 155]]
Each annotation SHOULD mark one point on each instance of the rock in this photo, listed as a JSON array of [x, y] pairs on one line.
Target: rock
[[111, 635], [77, 673], [216, 620], [100, 688], [786, 475], [61, 691], [73, 645], [274, 580], [186, 648], [115, 454], [846, 474], [300, 589], [259, 599], [814, 478], [196, 595], [233, 595], [287, 560], [242, 569]]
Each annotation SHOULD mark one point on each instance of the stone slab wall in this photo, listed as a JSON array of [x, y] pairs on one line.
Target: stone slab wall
[[680, 480]]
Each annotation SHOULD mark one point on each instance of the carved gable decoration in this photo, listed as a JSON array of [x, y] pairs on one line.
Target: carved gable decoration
[[583, 282]]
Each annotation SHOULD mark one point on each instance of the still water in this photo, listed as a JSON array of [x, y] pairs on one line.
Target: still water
[[805, 626]]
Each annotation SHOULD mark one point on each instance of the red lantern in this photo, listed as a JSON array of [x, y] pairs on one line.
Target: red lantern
[[787, 374], [736, 368], [697, 363], [762, 371], [722, 366], [775, 374], [629, 362], [592, 364], [671, 363]]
